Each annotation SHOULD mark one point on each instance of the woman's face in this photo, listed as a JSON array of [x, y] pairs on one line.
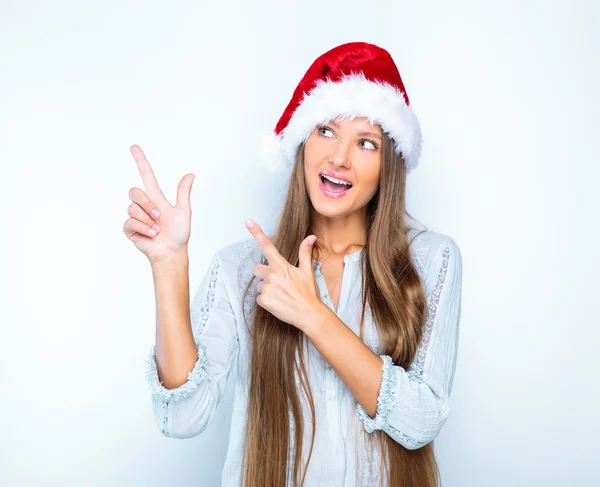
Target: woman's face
[[350, 150]]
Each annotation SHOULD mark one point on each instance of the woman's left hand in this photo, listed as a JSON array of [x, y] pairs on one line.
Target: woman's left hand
[[289, 293]]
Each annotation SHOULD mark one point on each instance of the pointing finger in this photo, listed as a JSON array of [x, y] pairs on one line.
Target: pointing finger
[[265, 244], [150, 183]]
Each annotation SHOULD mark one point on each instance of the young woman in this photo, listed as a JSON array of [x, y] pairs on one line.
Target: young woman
[[343, 349]]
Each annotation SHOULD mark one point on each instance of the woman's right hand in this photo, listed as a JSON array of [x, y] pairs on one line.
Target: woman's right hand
[[174, 222]]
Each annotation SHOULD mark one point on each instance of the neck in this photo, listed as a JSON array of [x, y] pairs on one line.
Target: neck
[[341, 235]]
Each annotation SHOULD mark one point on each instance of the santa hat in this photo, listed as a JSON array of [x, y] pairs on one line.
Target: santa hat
[[353, 79]]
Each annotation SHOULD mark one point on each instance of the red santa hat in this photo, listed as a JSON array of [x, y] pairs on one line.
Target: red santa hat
[[353, 79]]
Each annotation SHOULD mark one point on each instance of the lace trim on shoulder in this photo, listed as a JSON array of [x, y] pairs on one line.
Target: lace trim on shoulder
[[385, 400], [432, 308], [200, 312], [194, 378]]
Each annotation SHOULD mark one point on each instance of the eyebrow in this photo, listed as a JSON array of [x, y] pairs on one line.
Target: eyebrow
[[362, 134]]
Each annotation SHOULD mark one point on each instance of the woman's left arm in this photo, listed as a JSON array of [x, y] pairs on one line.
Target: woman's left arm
[[410, 405]]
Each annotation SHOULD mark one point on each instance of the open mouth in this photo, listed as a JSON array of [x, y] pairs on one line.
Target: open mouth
[[331, 188]]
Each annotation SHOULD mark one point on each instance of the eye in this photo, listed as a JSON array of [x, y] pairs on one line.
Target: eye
[[324, 129], [372, 144]]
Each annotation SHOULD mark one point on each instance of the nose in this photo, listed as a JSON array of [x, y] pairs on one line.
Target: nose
[[339, 154]]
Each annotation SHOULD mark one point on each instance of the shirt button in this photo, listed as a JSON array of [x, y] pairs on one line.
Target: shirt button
[[331, 392]]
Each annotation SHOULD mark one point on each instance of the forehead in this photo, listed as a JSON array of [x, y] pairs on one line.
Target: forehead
[[357, 122]]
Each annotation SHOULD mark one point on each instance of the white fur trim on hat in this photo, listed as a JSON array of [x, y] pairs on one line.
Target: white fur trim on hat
[[350, 97]]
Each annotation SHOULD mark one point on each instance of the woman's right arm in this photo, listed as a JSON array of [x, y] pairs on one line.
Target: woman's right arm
[[188, 367]]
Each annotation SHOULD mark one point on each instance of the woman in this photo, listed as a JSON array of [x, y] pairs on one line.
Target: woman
[[344, 349]]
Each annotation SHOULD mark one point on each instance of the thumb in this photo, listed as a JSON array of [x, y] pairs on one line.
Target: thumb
[[184, 189], [305, 254]]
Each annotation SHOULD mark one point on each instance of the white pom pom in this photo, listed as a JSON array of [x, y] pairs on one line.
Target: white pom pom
[[272, 158]]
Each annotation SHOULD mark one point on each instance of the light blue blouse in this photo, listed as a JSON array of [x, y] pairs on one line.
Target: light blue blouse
[[413, 404]]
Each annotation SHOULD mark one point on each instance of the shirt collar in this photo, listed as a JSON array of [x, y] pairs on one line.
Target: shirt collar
[[351, 257]]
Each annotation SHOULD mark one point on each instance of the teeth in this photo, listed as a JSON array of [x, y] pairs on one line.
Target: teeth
[[339, 181]]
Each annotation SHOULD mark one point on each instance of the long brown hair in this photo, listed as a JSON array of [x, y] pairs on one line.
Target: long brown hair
[[393, 290]]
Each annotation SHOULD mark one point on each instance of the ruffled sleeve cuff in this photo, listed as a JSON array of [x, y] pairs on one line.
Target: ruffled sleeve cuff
[[385, 400], [195, 377]]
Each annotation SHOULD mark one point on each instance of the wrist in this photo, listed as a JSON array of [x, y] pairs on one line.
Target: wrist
[[174, 262], [314, 320]]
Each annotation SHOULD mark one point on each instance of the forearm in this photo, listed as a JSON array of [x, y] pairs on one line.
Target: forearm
[[176, 351], [354, 362]]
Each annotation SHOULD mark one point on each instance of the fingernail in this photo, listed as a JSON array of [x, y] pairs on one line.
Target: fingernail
[[155, 213], [249, 223]]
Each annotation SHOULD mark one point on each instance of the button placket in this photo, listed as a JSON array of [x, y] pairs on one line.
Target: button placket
[[347, 275], [330, 385], [323, 292]]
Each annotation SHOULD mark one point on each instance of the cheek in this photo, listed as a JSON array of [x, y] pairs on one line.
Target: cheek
[[311, 150], [311, 158], [370, 170], [309, 168], [374, 179], [369, 189]]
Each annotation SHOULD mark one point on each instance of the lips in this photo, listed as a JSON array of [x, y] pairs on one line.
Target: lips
[[335, 175], [329, 191]]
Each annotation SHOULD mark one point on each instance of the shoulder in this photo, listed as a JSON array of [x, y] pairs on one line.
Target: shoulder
[[238, 258], [433, 253], [424, 241], [237, 252], [236, 263]]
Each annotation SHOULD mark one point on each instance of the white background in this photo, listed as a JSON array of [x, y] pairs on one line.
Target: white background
[[507, 95]]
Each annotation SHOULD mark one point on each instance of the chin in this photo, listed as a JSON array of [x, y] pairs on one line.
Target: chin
[[330, 214], [330, 209]]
